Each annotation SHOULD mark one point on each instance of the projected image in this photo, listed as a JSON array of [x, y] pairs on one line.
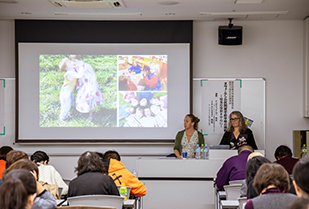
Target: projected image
[[142, 73], [142, 109], [78, 90]]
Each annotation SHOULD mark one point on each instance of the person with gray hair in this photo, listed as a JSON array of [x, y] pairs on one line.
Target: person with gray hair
[[91, 179]]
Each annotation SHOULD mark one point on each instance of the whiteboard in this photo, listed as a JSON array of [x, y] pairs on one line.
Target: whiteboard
[[252, 106]]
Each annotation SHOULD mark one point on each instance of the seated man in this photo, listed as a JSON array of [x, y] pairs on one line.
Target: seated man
[[283, 154], [234, 168], [120, 174]]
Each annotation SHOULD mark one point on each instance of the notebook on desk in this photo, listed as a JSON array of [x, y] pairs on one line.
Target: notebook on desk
[[220, 146]]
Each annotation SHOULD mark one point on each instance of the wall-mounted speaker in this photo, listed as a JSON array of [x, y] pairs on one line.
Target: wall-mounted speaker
[[230, 35]]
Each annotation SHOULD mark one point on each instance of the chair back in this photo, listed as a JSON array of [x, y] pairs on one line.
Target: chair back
[[67, 181], [232, 191], [235, 182], [84, 207], [97, 200], [242, 201]]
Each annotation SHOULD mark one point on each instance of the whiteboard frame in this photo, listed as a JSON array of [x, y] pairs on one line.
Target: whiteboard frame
[[215, 139]]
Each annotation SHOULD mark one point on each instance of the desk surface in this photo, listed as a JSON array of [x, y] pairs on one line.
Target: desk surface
[[229, 203], [129, 203]]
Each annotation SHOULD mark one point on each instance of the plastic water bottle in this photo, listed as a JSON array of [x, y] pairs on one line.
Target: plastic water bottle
[[134, 172], [303, 151], [206, 150], [203, 152], [123, 191], [197, 152]]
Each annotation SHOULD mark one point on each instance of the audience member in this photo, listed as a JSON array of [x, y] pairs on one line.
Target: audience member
[[4, 150], [283, 155], [301, 177], [254, 154], [18, 190], [234, 168], [118, 172], [13, 156], [243, 190], [300, 203], [43, 199], [90, 178], [252, 167], [47, 173], [271, 182]]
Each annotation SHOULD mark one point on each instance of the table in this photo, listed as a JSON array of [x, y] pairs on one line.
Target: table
[[129, 203], [229, 203], [181, 183]]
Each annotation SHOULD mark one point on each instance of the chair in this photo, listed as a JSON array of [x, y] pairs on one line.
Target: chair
[[232, 191], [67, 181], [97, 200], [242, 201], [235, 182], [84, 207]]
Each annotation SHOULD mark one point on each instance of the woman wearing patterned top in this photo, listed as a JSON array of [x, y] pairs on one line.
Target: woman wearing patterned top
[[237, 132], [186, 140]]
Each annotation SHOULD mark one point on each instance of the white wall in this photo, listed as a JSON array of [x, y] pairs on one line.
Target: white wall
[[271, 49]]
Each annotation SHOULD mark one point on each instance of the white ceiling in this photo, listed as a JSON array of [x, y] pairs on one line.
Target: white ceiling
[[157, 10]]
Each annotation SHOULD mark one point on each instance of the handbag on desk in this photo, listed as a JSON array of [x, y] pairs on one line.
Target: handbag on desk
[[52, 188]]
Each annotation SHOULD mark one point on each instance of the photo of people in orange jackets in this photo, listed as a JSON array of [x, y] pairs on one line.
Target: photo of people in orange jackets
[[142, 72]]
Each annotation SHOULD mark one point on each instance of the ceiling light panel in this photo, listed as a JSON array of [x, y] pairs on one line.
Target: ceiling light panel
[[249, 1]]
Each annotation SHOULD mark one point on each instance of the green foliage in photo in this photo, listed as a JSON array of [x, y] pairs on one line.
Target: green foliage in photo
[[51, 81]]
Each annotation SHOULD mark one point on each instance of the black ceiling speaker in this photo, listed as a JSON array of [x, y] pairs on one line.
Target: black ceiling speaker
[[230, 35]]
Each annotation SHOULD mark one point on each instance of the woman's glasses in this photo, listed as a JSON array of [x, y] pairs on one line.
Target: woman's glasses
[[232, 119]]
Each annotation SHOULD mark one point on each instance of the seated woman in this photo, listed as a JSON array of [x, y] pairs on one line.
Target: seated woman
[[43, 198], [13, 156], [18, 190], [301, 177], [187, 139], [252, 167], [271, 182], [47, 173], [90, 178], [237, 132]]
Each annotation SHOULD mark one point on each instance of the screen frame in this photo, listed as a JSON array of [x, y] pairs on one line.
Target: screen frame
[[39, 31]]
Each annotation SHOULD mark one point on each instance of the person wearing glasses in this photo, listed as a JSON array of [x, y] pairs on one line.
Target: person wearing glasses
[[237, 132]]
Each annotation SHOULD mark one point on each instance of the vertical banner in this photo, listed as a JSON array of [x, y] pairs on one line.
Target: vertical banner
[[2, 86], [220, 98]]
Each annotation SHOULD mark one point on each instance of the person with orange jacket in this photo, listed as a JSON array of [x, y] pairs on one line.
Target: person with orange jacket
[[118, 172], [3, 151]]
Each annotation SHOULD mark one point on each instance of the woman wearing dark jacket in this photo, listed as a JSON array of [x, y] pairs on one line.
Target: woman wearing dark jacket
[[237, 132], [90, 178]]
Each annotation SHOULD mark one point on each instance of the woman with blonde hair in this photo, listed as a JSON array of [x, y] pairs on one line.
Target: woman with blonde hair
[[237, 132]]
